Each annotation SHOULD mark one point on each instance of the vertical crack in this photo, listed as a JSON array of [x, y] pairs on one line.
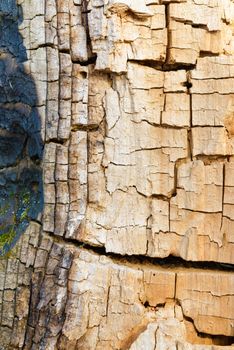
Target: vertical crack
[[17, 286], [175, 288], [85, 22], [4, 284], [223, 190], [167, 17], [107, 300], [155, 338], [190, 141]]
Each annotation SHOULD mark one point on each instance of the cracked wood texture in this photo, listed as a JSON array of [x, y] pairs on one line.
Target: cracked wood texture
[[134, 248]]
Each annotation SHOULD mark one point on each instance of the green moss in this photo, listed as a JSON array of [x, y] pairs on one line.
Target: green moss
[[24, 215], [26, 197], [22, 207], [7, 237], [4, 210], [17, 209], [11, 254]]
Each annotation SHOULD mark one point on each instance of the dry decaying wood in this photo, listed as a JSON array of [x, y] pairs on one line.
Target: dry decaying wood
[[134, 249]]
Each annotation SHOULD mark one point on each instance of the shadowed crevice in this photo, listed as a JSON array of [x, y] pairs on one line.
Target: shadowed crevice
[[21, 146]]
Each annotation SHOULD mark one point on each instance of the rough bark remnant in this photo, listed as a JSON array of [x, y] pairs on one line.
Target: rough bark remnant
[[134, 249]]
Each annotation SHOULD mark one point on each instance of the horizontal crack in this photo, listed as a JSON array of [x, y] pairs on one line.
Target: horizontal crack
[[170, 261], [83, 127], [164, 66], [91, 60], [218, 339]]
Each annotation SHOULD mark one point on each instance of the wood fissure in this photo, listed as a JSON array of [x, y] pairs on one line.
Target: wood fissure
[[117, 174]]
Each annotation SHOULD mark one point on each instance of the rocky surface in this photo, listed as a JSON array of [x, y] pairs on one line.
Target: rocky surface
[[135, 246]]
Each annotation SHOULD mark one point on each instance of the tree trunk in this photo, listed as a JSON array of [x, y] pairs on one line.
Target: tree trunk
[[133, 101]]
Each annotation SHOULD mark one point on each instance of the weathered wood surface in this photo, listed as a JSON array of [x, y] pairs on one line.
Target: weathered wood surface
[[134, 249]]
